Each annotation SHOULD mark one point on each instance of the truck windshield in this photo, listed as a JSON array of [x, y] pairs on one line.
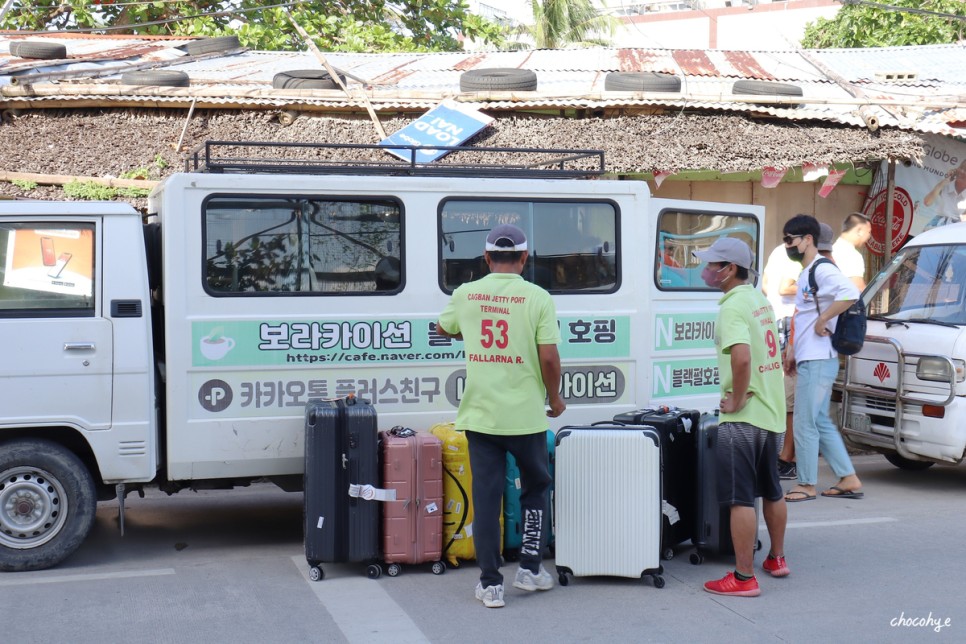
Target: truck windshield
[[921, 284]]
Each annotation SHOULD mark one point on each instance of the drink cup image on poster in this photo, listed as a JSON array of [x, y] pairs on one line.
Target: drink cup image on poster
[[51, 260]]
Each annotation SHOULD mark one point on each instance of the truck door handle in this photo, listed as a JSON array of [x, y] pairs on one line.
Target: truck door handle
[[78, 346]]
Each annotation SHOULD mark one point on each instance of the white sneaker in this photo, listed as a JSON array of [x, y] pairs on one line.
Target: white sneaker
[[526, 580], [491, 596]]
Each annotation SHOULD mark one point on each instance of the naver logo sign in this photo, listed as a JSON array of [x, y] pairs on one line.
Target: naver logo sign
[[448, 124]]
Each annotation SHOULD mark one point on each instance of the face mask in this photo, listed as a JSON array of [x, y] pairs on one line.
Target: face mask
[[712, 278], [794, 254]]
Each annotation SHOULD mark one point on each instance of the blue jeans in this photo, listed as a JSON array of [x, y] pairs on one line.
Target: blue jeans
[[814, 430]]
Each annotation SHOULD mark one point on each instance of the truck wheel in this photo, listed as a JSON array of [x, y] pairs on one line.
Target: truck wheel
[[906, 464], [156, 78], [641, 82], [38, 50], [47, 504], [494, 79], [211, 45]]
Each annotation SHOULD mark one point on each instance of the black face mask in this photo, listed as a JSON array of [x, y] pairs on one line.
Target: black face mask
[[794, 254]]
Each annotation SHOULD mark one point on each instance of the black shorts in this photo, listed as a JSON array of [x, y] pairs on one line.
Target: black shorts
[[747, 460]]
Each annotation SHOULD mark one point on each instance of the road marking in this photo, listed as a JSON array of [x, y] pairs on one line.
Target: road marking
[[823, 524], [362, 610], [60, 579]]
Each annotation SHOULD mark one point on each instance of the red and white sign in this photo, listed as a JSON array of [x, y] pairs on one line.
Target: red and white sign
[[901, 220]]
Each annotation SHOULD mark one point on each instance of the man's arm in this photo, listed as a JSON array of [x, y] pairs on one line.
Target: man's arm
[[832, 312], [443, 332], [859, 282], [732, 401], [550, 371], [788, 286]]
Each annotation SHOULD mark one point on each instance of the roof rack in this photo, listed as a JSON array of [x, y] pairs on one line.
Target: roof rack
[[329, 158]]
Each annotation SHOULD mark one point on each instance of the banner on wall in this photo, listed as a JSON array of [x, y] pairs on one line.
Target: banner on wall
[[927, 196]]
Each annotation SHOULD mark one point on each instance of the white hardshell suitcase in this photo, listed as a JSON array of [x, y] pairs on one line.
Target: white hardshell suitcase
[[608, 502]]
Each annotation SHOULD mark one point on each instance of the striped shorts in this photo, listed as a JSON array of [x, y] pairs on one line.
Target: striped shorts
[[747, 462]]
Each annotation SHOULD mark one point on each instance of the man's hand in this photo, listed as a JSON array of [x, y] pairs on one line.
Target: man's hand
[[731, 405], [557, 407]]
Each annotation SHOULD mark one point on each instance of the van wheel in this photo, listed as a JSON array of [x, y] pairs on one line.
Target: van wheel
[[38, 50], [641, 82], [306, 79], [906, 464], [497, 79], [47, 504]]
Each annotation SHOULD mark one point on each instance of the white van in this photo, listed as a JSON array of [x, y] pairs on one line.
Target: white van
[[182, 353], [904, 394]]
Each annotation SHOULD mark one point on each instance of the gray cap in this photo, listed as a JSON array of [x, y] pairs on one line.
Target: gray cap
[[825, 237], [506, 237], [729, 250]]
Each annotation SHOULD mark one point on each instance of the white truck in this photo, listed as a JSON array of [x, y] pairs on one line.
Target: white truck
[[180, 351], [904, 394]]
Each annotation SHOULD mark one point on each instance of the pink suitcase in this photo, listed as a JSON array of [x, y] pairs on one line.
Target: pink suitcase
[[412, 525]]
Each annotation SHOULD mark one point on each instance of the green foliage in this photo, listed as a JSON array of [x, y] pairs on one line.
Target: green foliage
[[24, 184], [160, 163], [335, 25], [558, 23], [88, 190], [867, 26]]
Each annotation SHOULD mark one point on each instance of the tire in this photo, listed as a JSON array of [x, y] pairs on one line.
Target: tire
[[211, 45], [641, 82], [156, 78], [765, 88], [40, 50], [908, 465], [497, 79], [306, 79], [47, 504]]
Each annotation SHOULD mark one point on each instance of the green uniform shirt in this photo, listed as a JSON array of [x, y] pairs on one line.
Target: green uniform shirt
[[502, 318], [746, 317]]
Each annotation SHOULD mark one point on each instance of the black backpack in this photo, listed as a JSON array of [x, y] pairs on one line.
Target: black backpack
[[849, 334]]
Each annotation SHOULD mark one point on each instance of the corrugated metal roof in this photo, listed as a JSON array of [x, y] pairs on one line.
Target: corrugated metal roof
[[567, 79]]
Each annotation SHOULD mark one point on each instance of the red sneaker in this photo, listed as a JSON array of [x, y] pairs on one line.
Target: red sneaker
[[776, 566], [729, 585]]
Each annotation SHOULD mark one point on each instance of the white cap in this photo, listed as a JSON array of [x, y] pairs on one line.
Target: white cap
[[506, 238]]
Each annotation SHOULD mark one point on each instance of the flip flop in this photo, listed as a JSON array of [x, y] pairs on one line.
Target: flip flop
[[843, 494], [804, 496]]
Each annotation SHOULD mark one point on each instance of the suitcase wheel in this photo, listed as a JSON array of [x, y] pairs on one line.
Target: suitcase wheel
[[668, 554], [316, 573], [374, 571], [658, 581], [758, 545], [439, 567], [697, 558], [563, 579], [393, 570]]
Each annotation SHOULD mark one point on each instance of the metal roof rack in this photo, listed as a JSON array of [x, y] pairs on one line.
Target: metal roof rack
[[330, 158]]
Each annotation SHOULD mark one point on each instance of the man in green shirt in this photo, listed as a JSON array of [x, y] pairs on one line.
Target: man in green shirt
[[509, 329], [752, 415]]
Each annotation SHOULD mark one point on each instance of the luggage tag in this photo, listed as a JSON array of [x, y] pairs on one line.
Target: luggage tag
[[369, 493]]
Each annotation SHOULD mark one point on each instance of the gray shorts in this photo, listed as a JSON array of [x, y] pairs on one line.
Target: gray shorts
[[747, 461]]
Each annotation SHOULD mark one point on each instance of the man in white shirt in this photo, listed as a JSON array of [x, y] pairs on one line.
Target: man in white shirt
[[816, 364], [856, 231]]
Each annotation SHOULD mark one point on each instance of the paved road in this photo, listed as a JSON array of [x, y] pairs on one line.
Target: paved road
[[227, 566]]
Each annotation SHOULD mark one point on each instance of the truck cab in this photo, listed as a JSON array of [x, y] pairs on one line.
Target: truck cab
[[904, 393], [182, 353]]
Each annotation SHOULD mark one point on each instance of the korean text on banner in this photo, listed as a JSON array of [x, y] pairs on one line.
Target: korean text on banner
[[448, 124]]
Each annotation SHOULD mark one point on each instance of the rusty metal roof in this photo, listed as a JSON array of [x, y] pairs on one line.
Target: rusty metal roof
[[849, 87]]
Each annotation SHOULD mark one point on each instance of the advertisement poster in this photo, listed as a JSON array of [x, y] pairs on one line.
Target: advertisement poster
[[51, 260], [449, 124], [927, 196]]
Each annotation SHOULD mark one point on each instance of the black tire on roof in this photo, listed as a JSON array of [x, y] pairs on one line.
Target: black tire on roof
[[642, 82], [498, 78], [211, 45], [306, 79], [765, 88], [41, 50], [156, 77]]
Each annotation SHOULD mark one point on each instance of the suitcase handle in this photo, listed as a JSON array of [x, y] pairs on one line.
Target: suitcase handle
[[608, 422], [402, 432]]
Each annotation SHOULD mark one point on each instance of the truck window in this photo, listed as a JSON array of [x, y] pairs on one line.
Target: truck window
[[681, 232], [573, 244], [922, 283], [271, 245], [47, 270]]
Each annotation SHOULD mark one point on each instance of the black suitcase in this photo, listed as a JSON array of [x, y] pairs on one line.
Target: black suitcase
[[341, 449], [712, 529], [677, 429]]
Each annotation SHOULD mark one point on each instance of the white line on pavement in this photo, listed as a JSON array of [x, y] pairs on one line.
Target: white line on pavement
[[823, 524], [59, 579], [363, 611]]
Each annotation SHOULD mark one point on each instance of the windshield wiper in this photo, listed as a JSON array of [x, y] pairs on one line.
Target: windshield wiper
[[936, 322]]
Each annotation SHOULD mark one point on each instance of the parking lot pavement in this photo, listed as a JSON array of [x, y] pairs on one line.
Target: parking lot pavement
[[227, 566]]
